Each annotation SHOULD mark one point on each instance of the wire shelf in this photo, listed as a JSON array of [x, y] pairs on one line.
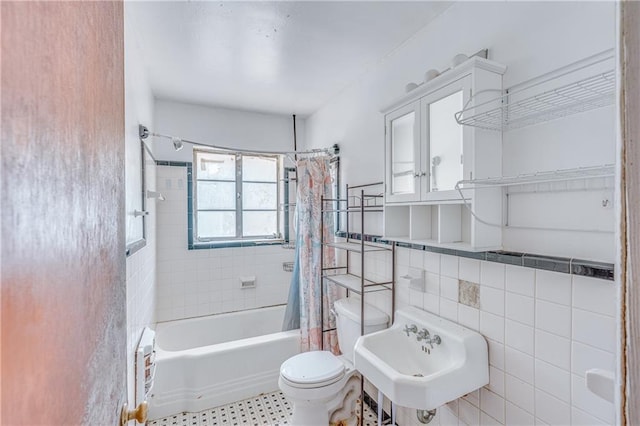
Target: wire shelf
[[357, 247], [354, 283], [509, 112], [606, 170], [577, 87]]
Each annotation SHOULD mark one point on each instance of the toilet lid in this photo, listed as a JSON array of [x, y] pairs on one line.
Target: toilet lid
[[312, 368]]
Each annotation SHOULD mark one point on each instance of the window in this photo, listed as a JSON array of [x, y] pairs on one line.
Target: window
[[236, 196]]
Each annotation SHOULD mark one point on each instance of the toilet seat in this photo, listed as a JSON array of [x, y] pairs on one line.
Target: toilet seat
[[312, 370]]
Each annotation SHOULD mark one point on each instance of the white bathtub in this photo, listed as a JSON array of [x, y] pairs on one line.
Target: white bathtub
[[205, 362]]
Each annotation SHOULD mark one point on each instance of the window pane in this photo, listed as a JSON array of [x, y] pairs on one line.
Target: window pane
[[216, 195], [259, 169], [259, 223], [259, 196], [216, 224], [216, 166]]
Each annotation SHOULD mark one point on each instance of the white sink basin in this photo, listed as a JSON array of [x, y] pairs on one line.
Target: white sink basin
[[412, 374]]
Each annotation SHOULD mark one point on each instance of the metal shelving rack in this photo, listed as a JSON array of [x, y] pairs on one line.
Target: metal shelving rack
[[578, 87], [358, 284]]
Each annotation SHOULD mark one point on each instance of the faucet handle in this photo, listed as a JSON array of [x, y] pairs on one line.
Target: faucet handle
[[435, 339], [423, 335], [410, 329]]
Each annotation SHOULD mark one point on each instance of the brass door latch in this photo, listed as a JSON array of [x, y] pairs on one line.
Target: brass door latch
[[139, 414]]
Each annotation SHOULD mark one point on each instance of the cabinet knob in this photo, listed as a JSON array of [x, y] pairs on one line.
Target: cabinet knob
[[423, 174], [416, 175]]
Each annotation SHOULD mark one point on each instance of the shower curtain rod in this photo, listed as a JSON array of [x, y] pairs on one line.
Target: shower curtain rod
[[333, 150]]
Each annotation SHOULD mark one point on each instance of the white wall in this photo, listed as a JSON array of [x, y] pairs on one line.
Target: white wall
[[193, 283], [540, 325], [141, 264], [203, 282], [530, 38], [544, 330], [222, 127]]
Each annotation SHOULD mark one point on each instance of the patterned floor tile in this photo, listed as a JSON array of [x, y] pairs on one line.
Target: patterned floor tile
[[263, 410]]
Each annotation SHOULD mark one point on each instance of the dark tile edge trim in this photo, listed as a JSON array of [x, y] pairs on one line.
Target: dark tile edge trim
[[373, 405], [174, 163], [564, 265], [231, 244], [214, 244]]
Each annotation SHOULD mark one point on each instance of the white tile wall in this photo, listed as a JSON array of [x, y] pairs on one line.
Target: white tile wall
[[448, 265], [516, 416], [519, 336], [469, 317], [520, 393], [469, 270], [520, 308], [553, 287], [141, 285], [492, 300], [553, 349], [496, 381], [202, 282], [492, 275], [553, 380], [551, 410], [553, 318], [520, 280], [544, 330], [449, 288], [492, 326]]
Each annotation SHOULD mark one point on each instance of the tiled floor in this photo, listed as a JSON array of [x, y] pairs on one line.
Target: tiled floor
[[266, 409]]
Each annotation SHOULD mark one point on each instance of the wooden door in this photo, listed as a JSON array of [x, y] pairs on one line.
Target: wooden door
[[628, 392], [63, 262]]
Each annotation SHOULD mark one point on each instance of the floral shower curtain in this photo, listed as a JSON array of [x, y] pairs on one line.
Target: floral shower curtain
[[305, 298]]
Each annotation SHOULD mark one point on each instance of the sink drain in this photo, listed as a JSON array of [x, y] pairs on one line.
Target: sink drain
[[418, 375]]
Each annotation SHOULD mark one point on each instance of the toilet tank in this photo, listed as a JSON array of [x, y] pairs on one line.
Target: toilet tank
[[348, 323]]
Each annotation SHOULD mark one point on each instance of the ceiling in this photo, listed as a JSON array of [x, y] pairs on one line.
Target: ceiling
[[277, 57]]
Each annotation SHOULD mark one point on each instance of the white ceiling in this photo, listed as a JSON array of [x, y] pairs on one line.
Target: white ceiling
[[278, 57]]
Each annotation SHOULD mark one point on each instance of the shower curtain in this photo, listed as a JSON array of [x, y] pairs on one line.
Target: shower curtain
[[303, 307]]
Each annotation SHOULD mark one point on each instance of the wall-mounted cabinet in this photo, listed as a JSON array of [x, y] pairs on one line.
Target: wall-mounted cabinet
[[446, 225], [427, 152]]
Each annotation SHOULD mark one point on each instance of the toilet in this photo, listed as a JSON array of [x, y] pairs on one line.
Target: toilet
[[321, 386]]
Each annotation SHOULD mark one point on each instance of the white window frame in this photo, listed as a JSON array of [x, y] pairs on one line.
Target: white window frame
[[277, 236]]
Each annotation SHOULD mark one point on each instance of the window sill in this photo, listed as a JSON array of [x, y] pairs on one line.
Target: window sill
[[231, 244]]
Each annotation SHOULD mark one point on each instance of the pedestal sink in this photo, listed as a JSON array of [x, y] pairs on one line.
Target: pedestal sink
[[413, 370]]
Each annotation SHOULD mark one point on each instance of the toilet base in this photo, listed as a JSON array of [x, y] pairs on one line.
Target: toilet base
[[315, 407]]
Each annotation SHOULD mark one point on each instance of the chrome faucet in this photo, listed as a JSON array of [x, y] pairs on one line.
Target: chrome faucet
[[423, 335], [410, 329], [435, 339], [428, 339]]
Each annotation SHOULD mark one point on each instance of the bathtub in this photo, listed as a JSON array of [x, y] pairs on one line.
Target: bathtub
[[215, 360]]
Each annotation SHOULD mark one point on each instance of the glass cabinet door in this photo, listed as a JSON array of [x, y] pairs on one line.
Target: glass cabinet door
[[403, 154], [445, 143], [444, 140]]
